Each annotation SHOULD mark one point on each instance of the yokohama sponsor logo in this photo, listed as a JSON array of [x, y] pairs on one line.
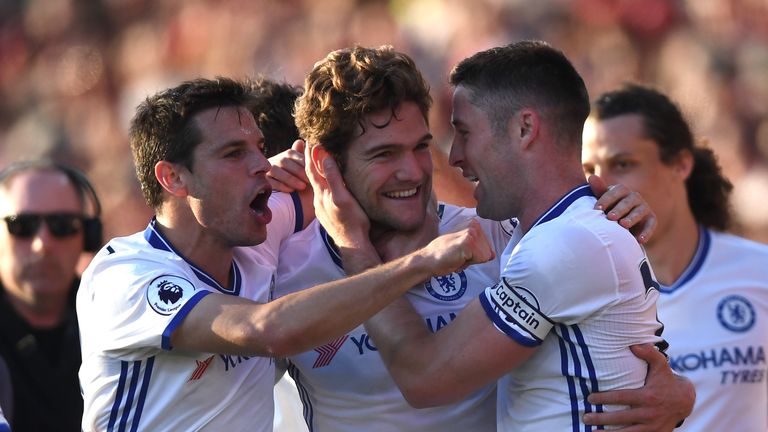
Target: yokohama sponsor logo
[[328, 352], [201, 368]]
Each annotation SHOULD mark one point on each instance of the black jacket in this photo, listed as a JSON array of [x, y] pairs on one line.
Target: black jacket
[[43, 366]]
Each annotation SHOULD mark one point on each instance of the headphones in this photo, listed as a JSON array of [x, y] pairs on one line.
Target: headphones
[[92, 227]]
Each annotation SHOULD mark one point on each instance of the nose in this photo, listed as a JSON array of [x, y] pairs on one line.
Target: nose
[[456, 155], [409, 168], [259, 164], [42, 240]]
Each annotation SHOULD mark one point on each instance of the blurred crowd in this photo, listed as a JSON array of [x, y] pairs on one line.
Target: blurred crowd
[[73, 71]]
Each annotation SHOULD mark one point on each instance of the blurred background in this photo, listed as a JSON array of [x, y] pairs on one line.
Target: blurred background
[[73, 71]]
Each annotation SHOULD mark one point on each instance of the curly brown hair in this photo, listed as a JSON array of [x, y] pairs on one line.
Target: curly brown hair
[[349, 84], [663, 122]]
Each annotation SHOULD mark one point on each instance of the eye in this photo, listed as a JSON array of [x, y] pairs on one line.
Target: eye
[[422, 146], [235, 153], [622, 164]]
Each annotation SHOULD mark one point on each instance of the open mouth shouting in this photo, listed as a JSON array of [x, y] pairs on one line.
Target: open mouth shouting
[[260, 206]]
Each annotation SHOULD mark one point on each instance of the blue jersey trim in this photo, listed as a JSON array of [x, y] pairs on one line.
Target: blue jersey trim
[[180, 315], [569, 357], [330, 245], [702, 251], [299, 212], [118, 395], [143, 393], [490, 310], [4, 427], [564, 202], [134, 370], [131, 394], [155, 239], [306, 402]]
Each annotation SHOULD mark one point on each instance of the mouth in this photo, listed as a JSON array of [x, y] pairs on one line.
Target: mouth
[[472, 178], [260, 206], [402, 194]]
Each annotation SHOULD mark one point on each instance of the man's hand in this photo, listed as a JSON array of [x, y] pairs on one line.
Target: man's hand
[[625, 206], [660, 405], [287, 173], [340, 213], [455, 251]]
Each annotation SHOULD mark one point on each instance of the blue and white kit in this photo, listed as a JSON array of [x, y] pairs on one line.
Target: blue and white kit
[[578, 287], [344, 384], [135, 292], [714, 316]]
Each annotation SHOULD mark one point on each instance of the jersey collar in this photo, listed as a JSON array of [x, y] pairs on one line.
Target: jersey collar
[[155, 238], [702, 250], [333, 249], [564, 202]]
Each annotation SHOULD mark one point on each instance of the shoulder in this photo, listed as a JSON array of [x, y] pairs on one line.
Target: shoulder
[[738, 244]]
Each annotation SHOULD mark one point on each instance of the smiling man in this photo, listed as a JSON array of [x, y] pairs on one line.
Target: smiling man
[[176, 323]]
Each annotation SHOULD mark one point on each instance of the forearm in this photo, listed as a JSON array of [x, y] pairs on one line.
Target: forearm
[[304, 320]]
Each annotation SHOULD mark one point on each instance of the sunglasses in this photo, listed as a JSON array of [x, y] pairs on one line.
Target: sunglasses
[[26, 225]]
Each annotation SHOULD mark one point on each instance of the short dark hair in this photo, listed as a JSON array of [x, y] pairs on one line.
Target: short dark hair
[[664, 123], [162, 130], [505, 79], [272, 104], [349, 84]]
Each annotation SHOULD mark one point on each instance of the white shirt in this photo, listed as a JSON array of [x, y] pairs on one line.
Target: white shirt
[[133, 295], [715, 321], [579, 288], [344, 384]]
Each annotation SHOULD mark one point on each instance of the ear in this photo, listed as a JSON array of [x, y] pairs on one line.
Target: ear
[[318, 154], [169, 176], [683, 164], [527, 124]]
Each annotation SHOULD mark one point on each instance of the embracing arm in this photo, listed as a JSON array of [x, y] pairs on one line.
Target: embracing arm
[[664, 401], [444, 367]]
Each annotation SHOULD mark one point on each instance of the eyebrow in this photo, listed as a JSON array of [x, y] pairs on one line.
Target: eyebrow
[[387, 145]]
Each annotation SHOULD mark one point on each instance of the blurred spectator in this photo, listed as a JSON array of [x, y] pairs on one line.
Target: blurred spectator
[[44, 231], [714, 286]]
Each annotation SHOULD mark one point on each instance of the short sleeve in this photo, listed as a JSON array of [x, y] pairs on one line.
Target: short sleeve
[[554, 275], [136, 303]]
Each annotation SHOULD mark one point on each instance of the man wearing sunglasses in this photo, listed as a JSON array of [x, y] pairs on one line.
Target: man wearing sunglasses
[[42, 235]]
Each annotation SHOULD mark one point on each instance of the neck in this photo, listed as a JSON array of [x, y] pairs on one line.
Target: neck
[[41, 312], [198, 246], [671, 249], [549, 184]]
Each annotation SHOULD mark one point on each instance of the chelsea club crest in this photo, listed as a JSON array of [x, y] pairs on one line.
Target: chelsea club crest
[[447, 288], [736, 313]]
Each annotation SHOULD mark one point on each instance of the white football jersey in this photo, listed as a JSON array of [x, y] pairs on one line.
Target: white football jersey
[[713, 316], [133, 295], [578, 287], [344, 384]]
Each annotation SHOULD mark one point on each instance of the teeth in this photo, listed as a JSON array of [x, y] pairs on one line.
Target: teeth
[[402, 194], [473, 178]]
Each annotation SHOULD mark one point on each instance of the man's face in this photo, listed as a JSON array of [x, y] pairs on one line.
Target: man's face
[[41, 264], [227, 186], [389, 170], [618, 151], [484, 158]]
